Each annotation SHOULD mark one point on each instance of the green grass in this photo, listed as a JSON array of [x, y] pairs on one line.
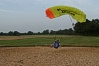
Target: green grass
[[81, 41], [48, 40]]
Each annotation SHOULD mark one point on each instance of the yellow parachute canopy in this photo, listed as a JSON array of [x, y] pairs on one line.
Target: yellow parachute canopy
[[57, 11]]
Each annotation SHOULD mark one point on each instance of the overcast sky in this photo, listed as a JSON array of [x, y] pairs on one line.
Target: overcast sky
[[29, 15]]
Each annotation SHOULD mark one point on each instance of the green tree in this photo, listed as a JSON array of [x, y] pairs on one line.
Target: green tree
[[10, 33], [1, 34], [89, 28], [30, 33], [16, 33], [45, 32]]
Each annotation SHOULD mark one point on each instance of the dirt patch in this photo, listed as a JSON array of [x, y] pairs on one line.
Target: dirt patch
[[15, 37], [47, 56], [22, 37]]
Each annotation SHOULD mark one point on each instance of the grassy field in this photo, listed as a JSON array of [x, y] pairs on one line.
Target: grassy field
[[47, 40]]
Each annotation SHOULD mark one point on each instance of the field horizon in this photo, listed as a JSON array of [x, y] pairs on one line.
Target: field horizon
[[47, 40]]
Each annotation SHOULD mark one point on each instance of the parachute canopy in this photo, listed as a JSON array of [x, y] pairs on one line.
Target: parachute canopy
[[57, 11]]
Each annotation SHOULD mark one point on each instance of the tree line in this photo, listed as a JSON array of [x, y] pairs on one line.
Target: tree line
[[88, 28], [45, 32]]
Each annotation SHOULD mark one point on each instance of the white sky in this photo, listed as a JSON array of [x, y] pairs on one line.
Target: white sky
[[29, 15]]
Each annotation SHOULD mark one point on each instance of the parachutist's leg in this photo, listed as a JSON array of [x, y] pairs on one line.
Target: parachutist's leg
[[56, 47]]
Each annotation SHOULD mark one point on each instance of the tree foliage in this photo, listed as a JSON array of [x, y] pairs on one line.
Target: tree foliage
[[88, 28]]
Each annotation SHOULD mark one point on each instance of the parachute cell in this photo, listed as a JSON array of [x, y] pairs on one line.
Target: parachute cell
[[57, 11]]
